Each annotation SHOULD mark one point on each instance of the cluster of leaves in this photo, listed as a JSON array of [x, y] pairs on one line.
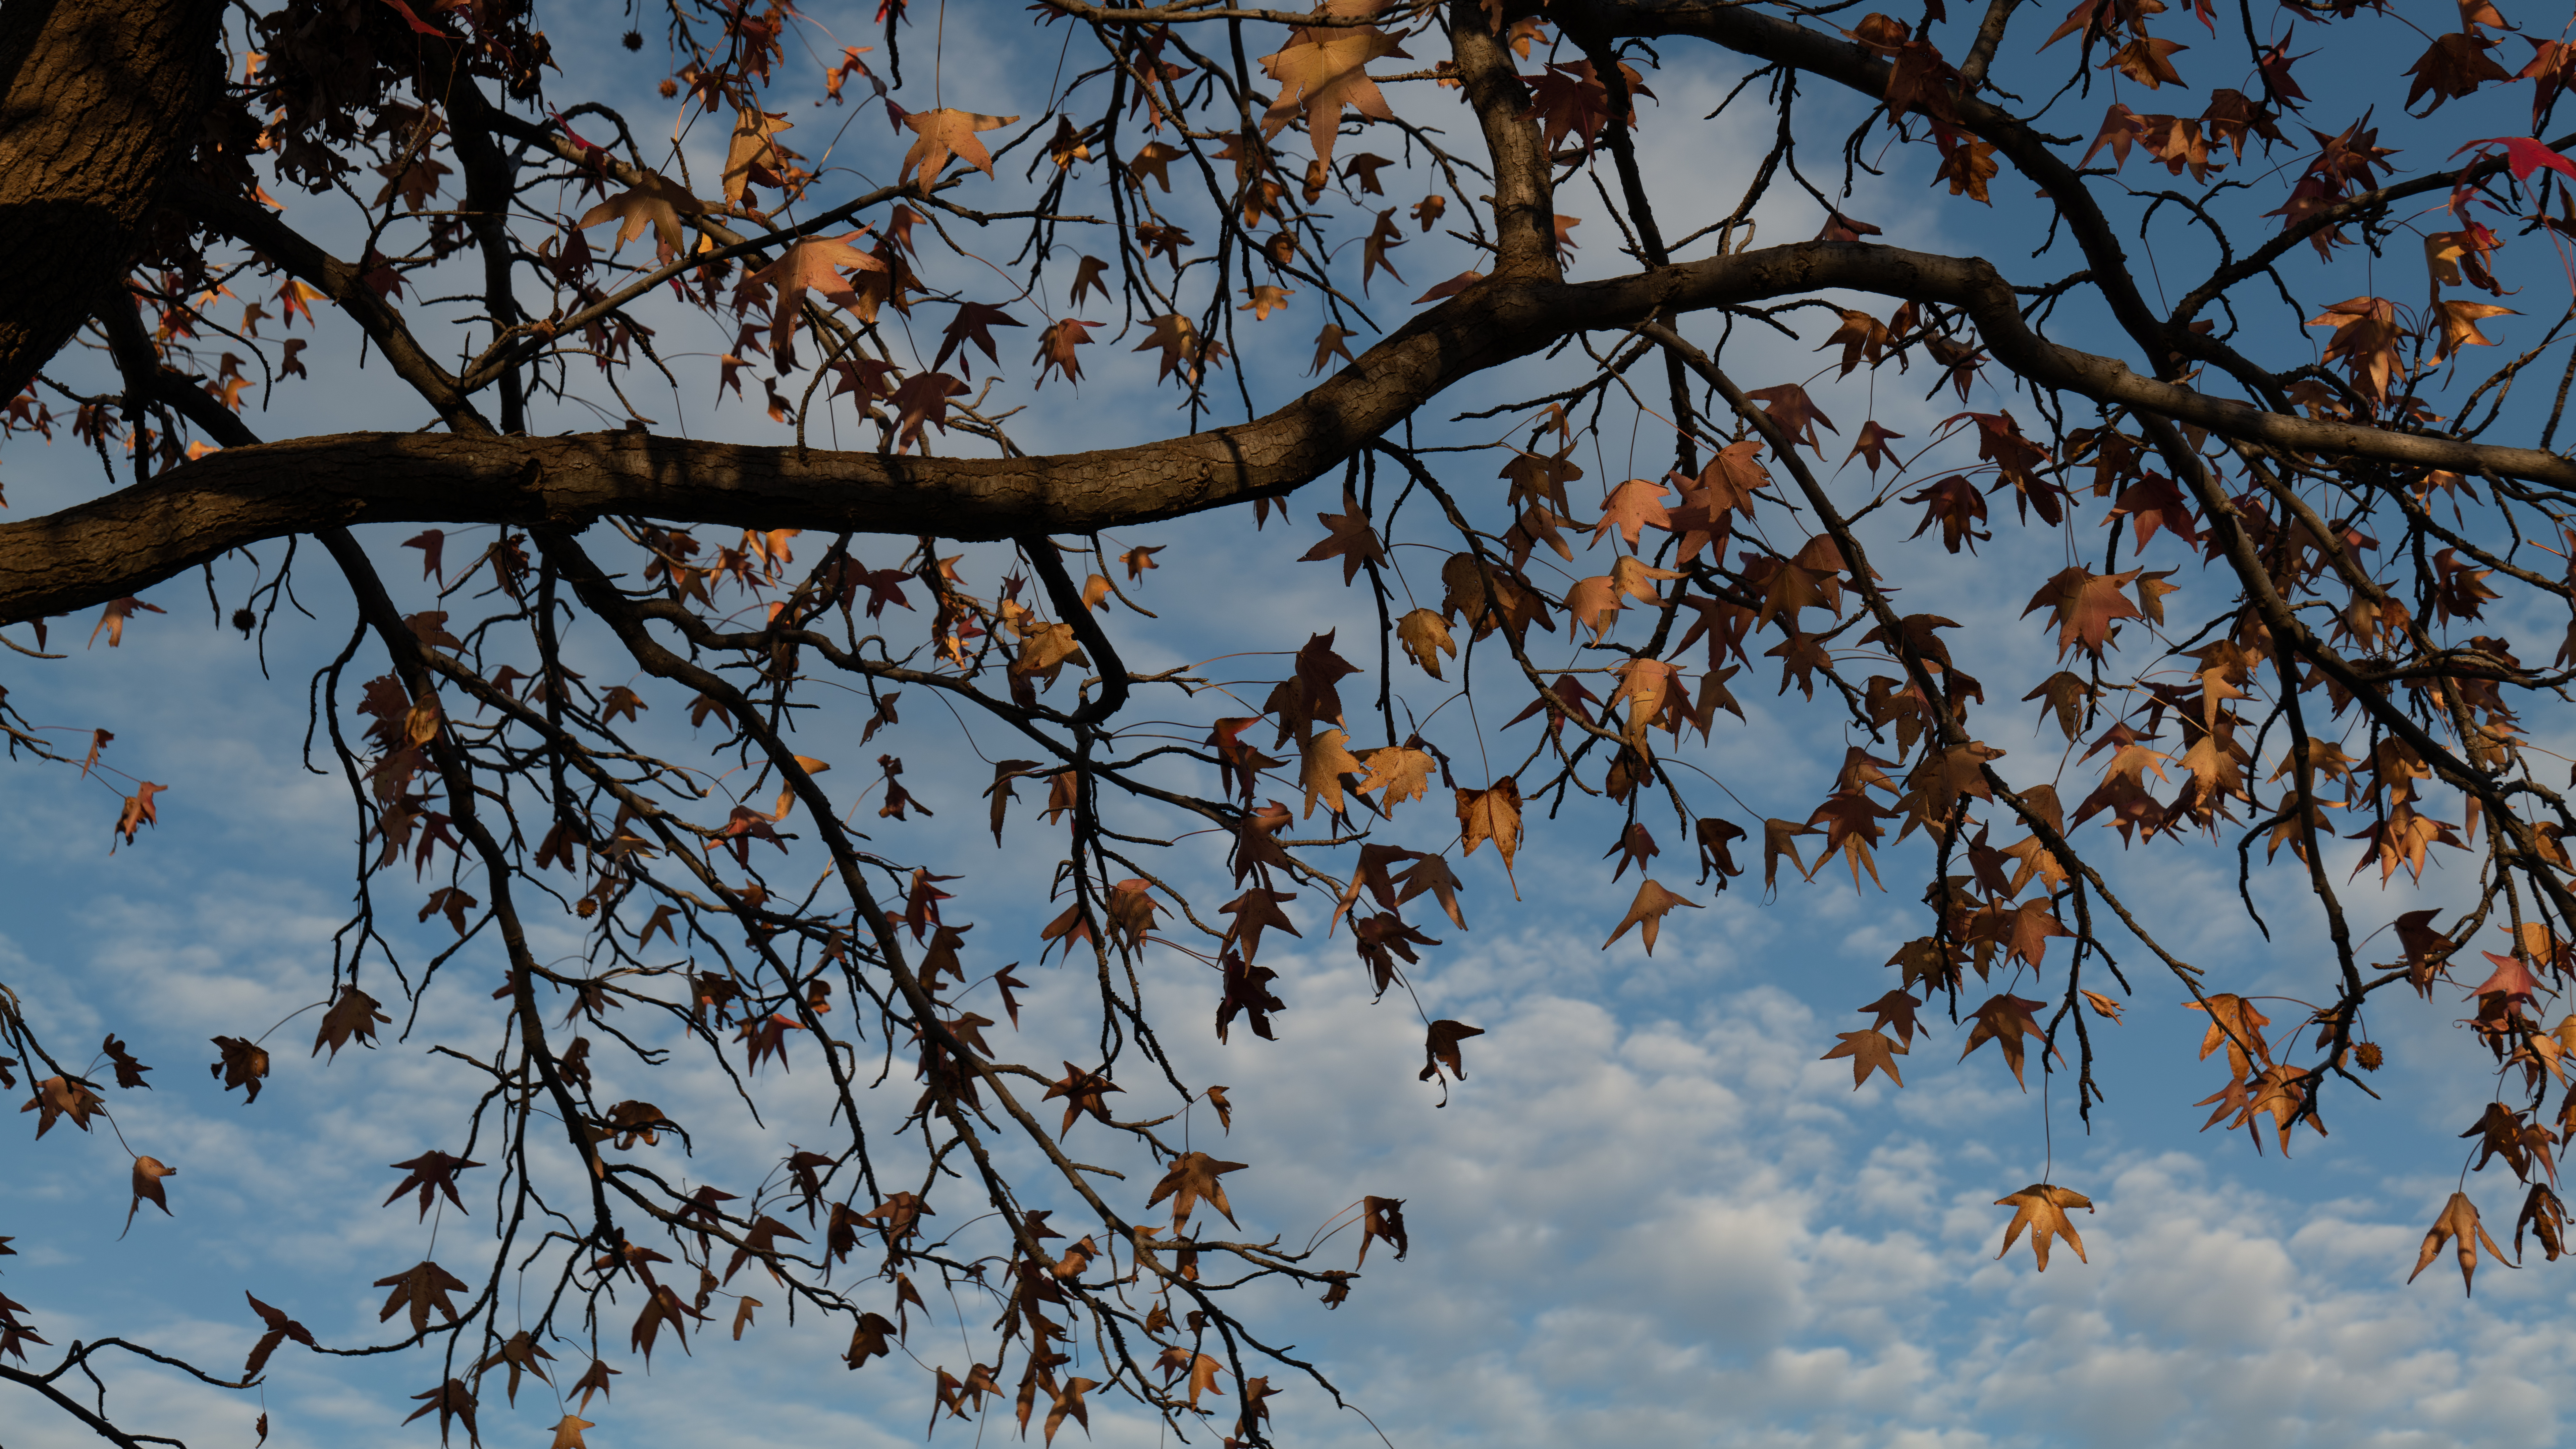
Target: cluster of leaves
[[2303, 666]]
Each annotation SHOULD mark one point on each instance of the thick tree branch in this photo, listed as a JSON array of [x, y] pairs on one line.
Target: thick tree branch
[[105, 549], [97, 101]]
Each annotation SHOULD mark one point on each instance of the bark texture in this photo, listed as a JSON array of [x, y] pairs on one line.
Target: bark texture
[[98, 99], [102, 550]]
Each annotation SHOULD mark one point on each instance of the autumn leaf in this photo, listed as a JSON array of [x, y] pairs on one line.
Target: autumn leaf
[[1869, 1051], [944, 133], [2005, 1020], [1441, 1052], [1425, 636], [1493, 813], [2041, 1207], [279, 1329], [57, 1097], [431, 1172], [1193, 1175], [1347, 536], [1652, 903], [450, 1400], [521, 1354], [148, 1172], [352, 1015], [1324, 69], [1400, 772], [810, 264], [652, 202], [2459, 324], [420, 1288], [2458, 1220], [1325, 762]]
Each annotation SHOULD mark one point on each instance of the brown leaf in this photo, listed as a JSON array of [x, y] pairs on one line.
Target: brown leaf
[[421, 1287], [1870, 1051], [2459, 1220], [148, 1172], [943, 133], [2041, 1207], [1440, 1049], [1648, 909], [353, 1014], [1194, 1175], [1493, 813]]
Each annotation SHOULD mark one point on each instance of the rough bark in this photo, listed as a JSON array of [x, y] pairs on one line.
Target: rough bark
[[116, 545], [98, 100]]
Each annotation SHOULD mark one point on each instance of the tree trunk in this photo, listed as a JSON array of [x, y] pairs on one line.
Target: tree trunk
[[98, 99]]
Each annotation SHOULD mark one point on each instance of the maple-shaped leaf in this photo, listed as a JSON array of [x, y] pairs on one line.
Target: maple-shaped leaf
[[2523, 153], [2041, 1207], [869, 1340], [594, 1380], [2085, 606], [568, 1432], [810, 264], [921, 402], [521, 1354], [1323, 69], [1873, 449], [1329, 344], [1348, 537], [1969, 167], [450, 1400], [57, 1097], [944, 133], [1056, 353], [353, 1014], [1634, 505], [1264, 301], [1325, 761], [2005, 1020], [1648, 909], [654, 202], [1796, 414], [2459, 323], [1065, 1402], [1194, 1175], [753, 154], [279, 1329], [1779, 839], [1897, 1008], [1870, 1051], [1086, 1092], [760, 1241], [661, 1306], [2458, 1221], [973, 323], [2511, 979], [1431, 874], [2454, 65], [421, 1287], [1401, 772], [2144, 59], [431, 1172]]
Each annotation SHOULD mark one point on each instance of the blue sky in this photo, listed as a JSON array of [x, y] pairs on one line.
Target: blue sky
[[1649, 1217]]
